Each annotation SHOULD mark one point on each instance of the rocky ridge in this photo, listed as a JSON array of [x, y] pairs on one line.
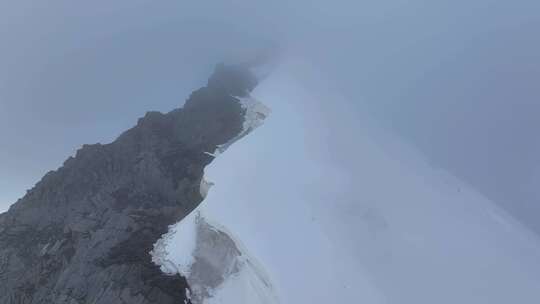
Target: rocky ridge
[[84, 232]]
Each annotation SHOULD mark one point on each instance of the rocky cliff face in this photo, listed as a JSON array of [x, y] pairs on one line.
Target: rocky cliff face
[[83, 234]]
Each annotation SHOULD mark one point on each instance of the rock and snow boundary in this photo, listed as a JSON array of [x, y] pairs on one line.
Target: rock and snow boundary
[[217, 266]]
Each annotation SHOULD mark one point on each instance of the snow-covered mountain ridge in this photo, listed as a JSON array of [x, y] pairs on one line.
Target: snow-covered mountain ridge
[[337, 210]]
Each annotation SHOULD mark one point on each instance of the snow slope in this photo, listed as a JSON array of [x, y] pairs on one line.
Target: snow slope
[[337, 210]]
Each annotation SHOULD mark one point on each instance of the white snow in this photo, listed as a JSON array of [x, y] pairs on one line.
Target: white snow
[[337, 210], [243, 287], [181, 242]]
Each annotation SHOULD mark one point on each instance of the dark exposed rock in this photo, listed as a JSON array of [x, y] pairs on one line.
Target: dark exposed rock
[[83, 234], [234, 80]]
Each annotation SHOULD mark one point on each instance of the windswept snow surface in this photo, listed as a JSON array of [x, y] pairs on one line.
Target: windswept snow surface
[[338, 211]]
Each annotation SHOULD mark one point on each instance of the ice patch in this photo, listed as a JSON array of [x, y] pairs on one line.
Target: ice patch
[[223, 270], [256, 113]]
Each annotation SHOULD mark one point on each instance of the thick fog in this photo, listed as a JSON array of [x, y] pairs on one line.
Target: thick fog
[[458, 79]]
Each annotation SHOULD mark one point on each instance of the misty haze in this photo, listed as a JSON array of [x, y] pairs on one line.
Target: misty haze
[[269, 152]]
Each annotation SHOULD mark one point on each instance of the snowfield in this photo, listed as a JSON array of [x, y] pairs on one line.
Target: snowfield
[[322, 206]]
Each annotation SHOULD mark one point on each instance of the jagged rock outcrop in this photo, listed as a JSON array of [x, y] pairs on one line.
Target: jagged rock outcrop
[[83, 234]]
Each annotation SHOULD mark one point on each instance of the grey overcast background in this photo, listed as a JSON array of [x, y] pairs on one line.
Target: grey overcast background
[[458, 79]]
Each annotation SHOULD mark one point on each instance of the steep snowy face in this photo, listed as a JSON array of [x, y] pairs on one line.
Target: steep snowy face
[[336, 210]]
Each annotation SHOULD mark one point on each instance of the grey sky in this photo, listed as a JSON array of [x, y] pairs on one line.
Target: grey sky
[[457, 78]]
